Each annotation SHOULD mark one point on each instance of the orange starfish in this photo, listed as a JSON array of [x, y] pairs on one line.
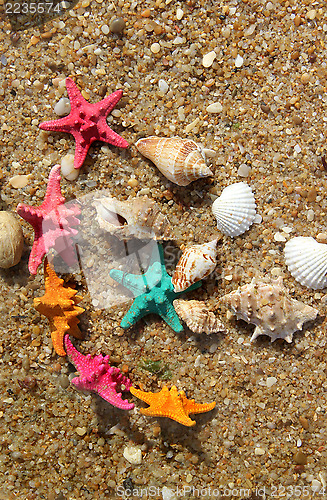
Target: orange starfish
[[58, 304], [171, 404]]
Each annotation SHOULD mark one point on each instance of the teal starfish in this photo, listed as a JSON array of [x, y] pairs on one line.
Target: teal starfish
[[153, 292]]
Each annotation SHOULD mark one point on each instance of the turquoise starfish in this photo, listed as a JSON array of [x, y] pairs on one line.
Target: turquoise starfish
[[153, 292]]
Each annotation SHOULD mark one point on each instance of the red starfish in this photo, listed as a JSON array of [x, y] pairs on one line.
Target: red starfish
[[87, 122], [52, 223]]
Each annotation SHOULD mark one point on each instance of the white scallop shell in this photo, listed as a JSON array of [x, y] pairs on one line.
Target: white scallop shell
[[235, 209], [180, 160], [306, 260], [198, 317], [196, 262]]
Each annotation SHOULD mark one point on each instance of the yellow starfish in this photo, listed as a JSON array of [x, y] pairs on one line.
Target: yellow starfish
[[171, 404], [58, 304]]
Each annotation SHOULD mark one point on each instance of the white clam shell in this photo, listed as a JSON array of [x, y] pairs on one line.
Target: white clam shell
[[180, 160], [196, 262], [11, 240], [235, 209], [306, 260]]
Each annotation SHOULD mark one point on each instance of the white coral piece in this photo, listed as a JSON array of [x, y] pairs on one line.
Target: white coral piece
[[266, 304]]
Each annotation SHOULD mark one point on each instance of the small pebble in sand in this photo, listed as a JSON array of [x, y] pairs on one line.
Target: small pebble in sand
[[117, 25], [163, 86], [271, 381], [81, 431], [62, 108], [239, 61], [133, 455], [300, 458], [11, 240], [244, 170], [67, 168], [259, 452], [179, 14], [215, 107], [305, 78], [19, 181], [155, 48], [208, 59]]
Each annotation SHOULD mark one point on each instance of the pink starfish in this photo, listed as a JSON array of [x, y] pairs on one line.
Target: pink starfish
[[52, 222], [87, 122], [96, 375]]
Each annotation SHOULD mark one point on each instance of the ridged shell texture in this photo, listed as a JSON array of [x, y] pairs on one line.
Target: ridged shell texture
[[266, 304], [306, 260], [235, 209], [180, 160], [196, 262], [198, 317]]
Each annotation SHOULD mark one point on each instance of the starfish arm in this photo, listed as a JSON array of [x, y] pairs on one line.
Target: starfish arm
[[150, 397], [169, 315], [137, 284], [75, 97], [111, 137], [108, 103], [81, 150], [37, 253], [53, 196], [60, 125], [138, 310]]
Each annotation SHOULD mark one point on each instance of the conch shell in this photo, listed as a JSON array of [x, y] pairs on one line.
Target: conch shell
[[197, 317], [180, 160], [266, 304], [196, 262], [138, 217]]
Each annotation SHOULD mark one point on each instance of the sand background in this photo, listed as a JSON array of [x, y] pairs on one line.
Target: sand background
[[58, 444]]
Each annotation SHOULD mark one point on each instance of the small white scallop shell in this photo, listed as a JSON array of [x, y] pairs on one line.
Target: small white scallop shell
[[11, 240], [306, 260], [180, 160], [235, 209], [198, 317], [196, 262]]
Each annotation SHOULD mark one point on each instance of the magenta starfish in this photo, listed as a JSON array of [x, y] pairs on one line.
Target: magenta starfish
[[87, 122], [52, 222], [96, 375]]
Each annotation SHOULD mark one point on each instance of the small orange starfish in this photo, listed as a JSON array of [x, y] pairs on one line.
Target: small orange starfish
[[171, 404], [58, 304]]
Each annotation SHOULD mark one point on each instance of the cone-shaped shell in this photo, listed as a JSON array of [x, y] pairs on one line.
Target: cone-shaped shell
[[235, 209], [196, 262], [306, 260], [197, 317], [180, 160]]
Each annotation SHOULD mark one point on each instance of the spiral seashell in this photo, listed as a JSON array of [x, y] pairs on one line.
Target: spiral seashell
[[306, 260], [266, 303], [11, 240], [138, 217], [196, 262], [197, 317], [235, 209], [180, 160]]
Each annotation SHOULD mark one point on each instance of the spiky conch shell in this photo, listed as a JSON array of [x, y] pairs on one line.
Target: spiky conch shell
[[196, 262], [198, 317], [266, 304], [306, 260], [143, 216], [180, 160], [235, 209]]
